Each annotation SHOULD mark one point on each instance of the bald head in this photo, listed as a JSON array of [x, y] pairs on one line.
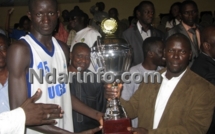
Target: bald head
[[178, 37], [208, 41], [207, 34]]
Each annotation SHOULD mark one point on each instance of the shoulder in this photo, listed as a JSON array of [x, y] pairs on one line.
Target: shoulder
[[136, 68], [157, 31], [91, 30], [63, 45], [131, 28], [129, 32], [19, 56], [197, 82], [65, 49], [19, 46]]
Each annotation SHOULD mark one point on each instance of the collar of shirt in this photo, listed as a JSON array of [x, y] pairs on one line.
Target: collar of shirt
[[173, 78], [190, 34], [143, 33], [187, 27], [139, 26]]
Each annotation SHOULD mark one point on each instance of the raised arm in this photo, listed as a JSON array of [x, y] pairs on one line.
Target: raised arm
[[7, 23]]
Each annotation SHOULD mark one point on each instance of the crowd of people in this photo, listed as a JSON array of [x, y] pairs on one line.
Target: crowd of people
[[184, 55]]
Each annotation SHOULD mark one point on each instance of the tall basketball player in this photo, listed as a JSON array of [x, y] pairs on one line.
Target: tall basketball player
[[40, 51]]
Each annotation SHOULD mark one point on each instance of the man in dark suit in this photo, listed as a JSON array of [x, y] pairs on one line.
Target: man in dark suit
[[136, 34], [182, 103], [204, 65], [188, 26]]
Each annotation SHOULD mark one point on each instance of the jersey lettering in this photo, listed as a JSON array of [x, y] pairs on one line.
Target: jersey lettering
[[56, 90]]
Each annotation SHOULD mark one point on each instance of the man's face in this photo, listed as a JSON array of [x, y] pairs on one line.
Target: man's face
[[146, 15], [112, 14], [3, 50], [212, 46], [177, 54], [26, 25], [44, 16], [175, 11], [65, 14], [74, 22], [158, 54], [189, 14], [80, 57]]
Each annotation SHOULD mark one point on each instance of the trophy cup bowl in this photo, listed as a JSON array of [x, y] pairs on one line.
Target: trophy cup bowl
[[113, 55]]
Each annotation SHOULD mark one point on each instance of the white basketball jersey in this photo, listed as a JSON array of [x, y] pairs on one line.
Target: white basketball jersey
[[54, 93]]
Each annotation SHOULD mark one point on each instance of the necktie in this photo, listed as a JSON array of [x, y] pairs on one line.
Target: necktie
[[195, 42]]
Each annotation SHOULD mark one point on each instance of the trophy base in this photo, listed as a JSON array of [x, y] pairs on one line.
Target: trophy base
[[118, 126]]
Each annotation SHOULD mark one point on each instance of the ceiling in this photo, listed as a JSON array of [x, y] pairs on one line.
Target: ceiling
[[24, 2]]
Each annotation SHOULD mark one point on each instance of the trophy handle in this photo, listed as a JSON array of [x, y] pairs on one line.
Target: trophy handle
[[99, 46]]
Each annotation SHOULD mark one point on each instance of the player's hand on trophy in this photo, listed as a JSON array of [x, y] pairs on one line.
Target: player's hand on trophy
[[38, 113], [91, 131], [112, 91], [138, 130]]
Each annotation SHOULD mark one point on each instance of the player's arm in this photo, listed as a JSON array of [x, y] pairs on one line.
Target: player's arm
[[77, 105], [80, 107], [18, 62]]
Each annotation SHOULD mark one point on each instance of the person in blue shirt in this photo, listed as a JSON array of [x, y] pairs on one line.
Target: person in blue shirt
[[4, 101]]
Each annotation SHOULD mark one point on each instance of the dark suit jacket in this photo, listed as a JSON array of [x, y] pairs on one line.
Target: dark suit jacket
[[188, 111], [205, 67], [180, 29], [134, 38]]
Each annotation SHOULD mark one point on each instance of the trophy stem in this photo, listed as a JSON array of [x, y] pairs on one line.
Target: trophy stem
[[114, 109]]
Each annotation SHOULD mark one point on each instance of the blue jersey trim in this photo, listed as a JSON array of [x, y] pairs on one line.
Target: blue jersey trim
[[42, 46], [31, 66]]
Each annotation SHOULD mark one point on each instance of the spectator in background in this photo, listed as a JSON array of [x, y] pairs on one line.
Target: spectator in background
[[204, 65], [91, 94], [174, 15], [84, 33], [61, 33], [189, 26], [16, 26], [24, 27], [65, 16], [133, 19], [4, 100], [72, 32], [98, 15], [136, 34], [113, 13]]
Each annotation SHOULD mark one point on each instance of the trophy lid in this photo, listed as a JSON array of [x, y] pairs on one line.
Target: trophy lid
[[109, 26]]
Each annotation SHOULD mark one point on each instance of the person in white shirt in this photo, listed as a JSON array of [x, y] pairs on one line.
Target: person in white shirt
[[174, 18], [153, 61], [182, 103]]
